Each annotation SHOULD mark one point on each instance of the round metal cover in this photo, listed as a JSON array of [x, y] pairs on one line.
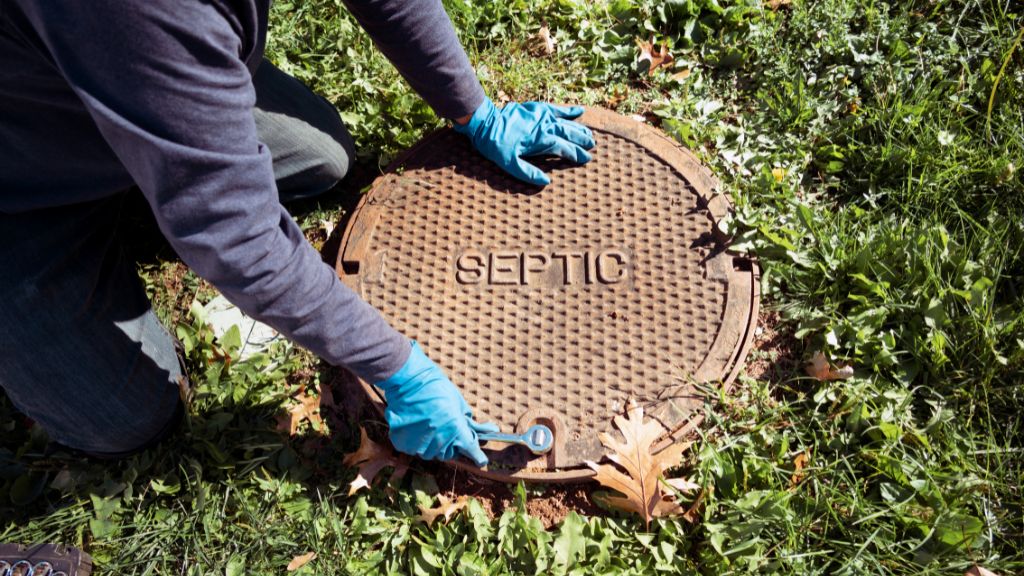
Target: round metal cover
[[558, 305]]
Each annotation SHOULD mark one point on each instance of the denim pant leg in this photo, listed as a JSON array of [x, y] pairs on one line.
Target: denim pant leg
[[81, 351], [310, 146]]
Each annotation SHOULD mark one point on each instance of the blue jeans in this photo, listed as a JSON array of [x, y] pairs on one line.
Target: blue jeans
[[81, 351]]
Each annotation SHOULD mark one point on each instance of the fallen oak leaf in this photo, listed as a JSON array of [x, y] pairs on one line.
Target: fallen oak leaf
[[682, 484], [668, 506], [358, 484], [641, 484], [300, 561], [371, 458], [445, 507], [819, 368], [308, 408], [656, 59]]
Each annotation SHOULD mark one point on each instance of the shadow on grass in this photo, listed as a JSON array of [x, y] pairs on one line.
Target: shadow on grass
[[221, 443]]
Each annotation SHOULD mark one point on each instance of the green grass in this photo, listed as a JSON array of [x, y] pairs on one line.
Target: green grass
[[891, 235]]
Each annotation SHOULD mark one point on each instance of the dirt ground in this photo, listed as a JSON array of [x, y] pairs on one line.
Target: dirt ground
[[548, 503], [775, 354]]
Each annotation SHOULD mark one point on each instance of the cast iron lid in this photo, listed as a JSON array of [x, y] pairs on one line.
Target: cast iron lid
[[558, 305]]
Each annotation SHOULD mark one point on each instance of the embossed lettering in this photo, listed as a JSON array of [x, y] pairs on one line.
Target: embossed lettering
[[534, 265], [611, 267], [572, 266], [504, 268], [470, 268], [540, 268]]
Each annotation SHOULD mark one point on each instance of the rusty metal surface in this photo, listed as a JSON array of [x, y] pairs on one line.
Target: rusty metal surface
[[556, 306]]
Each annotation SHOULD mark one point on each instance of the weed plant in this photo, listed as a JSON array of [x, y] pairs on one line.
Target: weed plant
[[873, 151]]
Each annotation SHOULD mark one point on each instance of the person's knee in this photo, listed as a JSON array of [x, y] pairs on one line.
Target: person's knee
[[325, 166], [310, 157], [336, 157], [310, 145]]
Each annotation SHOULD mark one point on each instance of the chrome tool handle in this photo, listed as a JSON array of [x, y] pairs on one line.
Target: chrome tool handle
[[538, 438]]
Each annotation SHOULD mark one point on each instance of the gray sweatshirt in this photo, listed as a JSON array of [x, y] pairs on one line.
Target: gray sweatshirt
[[98, 95]]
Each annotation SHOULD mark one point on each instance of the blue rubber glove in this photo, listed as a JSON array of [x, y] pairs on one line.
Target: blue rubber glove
[[427, 415], [507, 134]]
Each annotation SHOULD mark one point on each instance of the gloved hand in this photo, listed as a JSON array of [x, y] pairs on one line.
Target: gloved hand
[[507, 134], [427, 415]]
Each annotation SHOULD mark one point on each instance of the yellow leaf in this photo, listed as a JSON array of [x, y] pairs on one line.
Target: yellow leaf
[[300, 561]]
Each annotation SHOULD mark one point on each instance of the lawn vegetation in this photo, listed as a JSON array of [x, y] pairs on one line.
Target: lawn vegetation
[[873, 151]]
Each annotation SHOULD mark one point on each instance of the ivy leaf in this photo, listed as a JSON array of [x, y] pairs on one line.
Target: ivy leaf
[[235, 566], [638, 472], [371, 458], [571, 543], [445, 507]]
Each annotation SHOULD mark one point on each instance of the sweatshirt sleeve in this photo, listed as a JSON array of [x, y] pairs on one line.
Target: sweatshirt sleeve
[[167, 86], [418, 38]]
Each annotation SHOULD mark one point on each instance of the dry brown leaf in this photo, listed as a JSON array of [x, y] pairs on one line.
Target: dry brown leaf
[[691, 514], [445, 507], [641, 484], [798, 468], [819, 368], [979, 571], [681, 75], [542, 43], [616, 97], [300, 561], [308, 408], [184, 390], [371, 458], [776, 4], [656, 58]]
